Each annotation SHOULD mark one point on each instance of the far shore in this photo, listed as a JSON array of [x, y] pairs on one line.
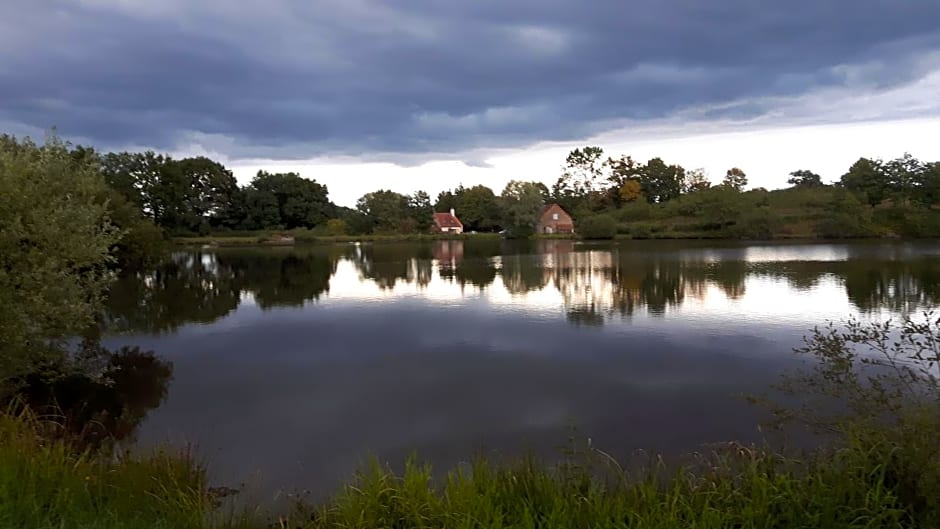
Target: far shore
[[288, 239]]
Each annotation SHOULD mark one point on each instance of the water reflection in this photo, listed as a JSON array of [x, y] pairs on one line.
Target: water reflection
[[588, 283], [277, 279], [106, 400], [389, 264], [447, 348]]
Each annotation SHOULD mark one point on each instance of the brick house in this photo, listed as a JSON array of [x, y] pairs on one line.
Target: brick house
[[554, 219], [447, 223]]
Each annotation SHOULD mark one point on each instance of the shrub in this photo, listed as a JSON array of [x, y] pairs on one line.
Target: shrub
[[598, 227], [633, 211], [909, 221], [761, 223], [876, 388], [840, 226], [336, 227]]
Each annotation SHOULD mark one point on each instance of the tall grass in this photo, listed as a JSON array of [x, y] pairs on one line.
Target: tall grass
[[48, 482], [739, 488]]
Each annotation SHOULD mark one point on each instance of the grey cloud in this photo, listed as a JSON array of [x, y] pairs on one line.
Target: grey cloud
[[290, 78]]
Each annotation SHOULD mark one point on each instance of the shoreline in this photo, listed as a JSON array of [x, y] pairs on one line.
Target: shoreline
[[269, 240]]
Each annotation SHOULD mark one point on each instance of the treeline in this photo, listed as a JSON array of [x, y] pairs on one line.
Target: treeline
[[874, 198], [607, 196], [200, 196], [151, 195]]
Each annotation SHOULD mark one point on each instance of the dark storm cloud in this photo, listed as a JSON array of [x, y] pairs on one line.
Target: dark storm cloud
[[357, 77]]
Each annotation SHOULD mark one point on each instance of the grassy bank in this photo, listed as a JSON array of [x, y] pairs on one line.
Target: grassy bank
[[47, 484], [818, 213]]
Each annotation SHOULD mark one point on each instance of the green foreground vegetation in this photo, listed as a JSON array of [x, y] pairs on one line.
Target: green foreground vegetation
[[880, 469]]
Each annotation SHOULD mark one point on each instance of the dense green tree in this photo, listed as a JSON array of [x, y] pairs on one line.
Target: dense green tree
[[521, 204], [421, 211], [212, 194], [868, 179], [901, 174], [477, 208], [301, 202], [188, 195], [137, 176], [623, 171], [387, 211], [927, 185], [804, 178], [446, 201], [55, 246], [735, 179], [259, 210], [141, 242], [661, 182]]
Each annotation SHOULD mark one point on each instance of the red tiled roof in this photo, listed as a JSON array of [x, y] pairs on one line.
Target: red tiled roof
[[552, 206], [446, 220]]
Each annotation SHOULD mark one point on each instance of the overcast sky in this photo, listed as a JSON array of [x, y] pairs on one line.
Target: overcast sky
[[362, 94]]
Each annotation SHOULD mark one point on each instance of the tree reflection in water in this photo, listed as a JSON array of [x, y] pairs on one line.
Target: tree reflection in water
[[594, 282], [106, 397]]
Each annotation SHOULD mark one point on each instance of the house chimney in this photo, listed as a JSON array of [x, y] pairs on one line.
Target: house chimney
[[452, 214]]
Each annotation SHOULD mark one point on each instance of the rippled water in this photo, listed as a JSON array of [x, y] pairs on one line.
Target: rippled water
[[290, 365]]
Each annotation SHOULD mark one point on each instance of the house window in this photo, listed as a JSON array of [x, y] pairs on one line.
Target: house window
[[554, 216]]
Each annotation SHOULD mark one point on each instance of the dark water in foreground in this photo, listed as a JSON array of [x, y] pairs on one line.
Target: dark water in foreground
[[292, 365]]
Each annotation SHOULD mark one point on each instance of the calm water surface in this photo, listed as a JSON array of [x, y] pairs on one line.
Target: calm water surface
[[291, 365]]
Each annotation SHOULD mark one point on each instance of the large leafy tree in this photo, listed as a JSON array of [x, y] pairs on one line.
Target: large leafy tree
[[421, 211], [735, 178], [212, 193], [927, 184], [186, 195], [623, 178], [137, 176], [661, 182], [446, 201], [477, 207], [54, 250], [582, 181], [804, 178], [521, 204], [387, 211], [868, 179], [300, 202]]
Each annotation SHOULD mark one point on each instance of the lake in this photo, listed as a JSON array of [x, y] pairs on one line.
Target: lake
[[293, 365]]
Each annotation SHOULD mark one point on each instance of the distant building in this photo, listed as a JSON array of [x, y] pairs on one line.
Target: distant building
[[447, 223], [554, 219]]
